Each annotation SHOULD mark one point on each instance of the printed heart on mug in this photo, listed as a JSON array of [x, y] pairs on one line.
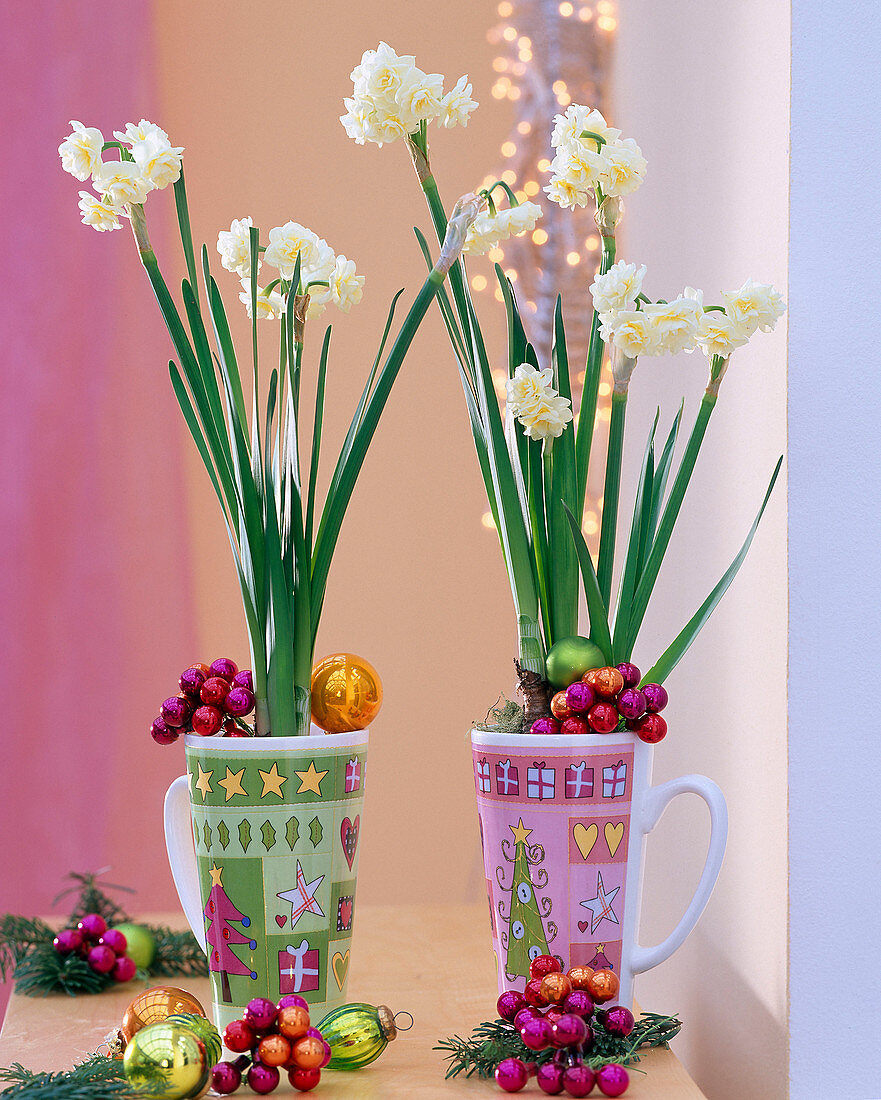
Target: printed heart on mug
[[281, 920], [585, 837], [349, 838], [583, 925], [339, 964]]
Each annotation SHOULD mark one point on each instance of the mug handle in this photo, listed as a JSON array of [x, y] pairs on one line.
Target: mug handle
[[656, 801], [182, 855]]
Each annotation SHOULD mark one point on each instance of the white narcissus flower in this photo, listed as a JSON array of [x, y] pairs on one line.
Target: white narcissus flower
[[581, 166], [346, 287], [234, 246], [755, 305], [566, 195], [675, 323], [419, 97], [718, 334], [381, 72], [158, 160], [549, 419], [624, 167], [288, 241], [618, 288], [80, 152], [99, 215], [121, 183], [570, 126], [528, 388], [457, 105], [632, 331], [270, 304], [486, 231], [140, 132]]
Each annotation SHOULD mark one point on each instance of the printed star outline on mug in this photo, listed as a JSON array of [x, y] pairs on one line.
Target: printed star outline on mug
[[216, 873], [272, 781], [310, 779], [232, 783], [302, 896], [203, 783], [601, 906]]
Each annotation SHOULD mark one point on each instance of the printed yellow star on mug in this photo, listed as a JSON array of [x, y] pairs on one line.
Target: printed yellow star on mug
[[310, 779], [215, 872], [232, 783], [203, 783], [272, 781], [521, 832]]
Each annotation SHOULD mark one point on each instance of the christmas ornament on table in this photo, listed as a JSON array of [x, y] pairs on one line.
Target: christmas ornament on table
[[534, 458], [285, 792]]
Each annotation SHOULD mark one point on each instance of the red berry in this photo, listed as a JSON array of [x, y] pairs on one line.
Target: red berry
[[544, 964], [124, 969], [101, 959], [651, 728], [214, 691], [116, 941], [534, 995], [176, 711], [92, 926], [238, 1037], [224, 668], [304, 1079], [191, 681], [206, 721], [575, 726], [162, 733], [68, 941], [239, 702], [603, 717]]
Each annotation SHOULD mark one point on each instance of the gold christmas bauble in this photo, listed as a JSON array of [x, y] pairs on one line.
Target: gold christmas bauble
[[155, 1005], [346, 693], [168, 1061]]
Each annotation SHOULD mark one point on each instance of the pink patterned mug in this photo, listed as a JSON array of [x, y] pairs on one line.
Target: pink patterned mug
[[563, 822]]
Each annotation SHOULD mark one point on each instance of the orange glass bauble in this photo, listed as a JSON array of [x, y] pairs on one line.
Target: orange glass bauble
[[274, 1050], [293, 1021], [603, 986], [556, 988], [346, 693], [579, 976], [308, 1052], [608, 682], [153, 1006]]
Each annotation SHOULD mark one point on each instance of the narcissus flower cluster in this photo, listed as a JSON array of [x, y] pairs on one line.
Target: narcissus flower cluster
[[488, 228], [592, 160], [147, 162], [533, 400], [393, 97]]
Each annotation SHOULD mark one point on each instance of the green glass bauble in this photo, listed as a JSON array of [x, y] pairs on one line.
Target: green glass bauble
[[357, 1034], [203, 1029], [569, 659], [167, 1061]]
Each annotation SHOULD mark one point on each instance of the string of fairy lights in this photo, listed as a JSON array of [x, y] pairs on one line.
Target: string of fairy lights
[[550, 54]]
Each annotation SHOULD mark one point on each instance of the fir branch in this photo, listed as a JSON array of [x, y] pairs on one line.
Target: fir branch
[[177, 953], [98, 1078], [491, 1042], [18, 937], [91, 898], [45, 971]]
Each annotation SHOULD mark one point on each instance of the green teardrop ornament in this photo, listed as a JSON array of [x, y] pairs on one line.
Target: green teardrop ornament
[[357, 1034]]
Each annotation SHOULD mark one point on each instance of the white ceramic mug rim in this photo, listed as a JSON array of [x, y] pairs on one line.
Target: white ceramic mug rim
[[574, 741], [313, 742]]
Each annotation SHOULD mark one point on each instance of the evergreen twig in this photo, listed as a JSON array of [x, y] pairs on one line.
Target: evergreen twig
[[91, 898], [493, 1041], [177, 953], [98, 1078]]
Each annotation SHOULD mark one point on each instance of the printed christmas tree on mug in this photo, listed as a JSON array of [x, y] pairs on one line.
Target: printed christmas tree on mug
[[534, 456]]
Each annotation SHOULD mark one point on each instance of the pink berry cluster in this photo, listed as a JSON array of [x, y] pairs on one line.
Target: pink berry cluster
[[102, 948], [604, 698], [559, 1012], [211, 697], [271, 1037]]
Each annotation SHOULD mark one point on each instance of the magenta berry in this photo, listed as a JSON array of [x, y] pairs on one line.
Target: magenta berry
[[92, 926], [191, 681], [511, 1074], [618, 1020], [549, 1078], [537, 1033], [631, 703], [656, 697], [294, 999], [101, 959], [162, 733], [527, 1013], [124, 969], [225, 1078], [578, 1080], [612, 1080], [68, 941], [262, 1078], [176, 711], [260, 1013], [214, 691], [116, 941], [224, 668], [580, 697], [579, 1002], [239, 702], [243, 679], [509, 1004], [569, 1031], [545, 727], [631, 674]]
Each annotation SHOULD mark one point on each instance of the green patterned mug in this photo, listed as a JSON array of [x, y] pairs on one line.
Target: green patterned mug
[[269, 888]]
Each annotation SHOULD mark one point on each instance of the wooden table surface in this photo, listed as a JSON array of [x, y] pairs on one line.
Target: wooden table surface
[[434, 962]]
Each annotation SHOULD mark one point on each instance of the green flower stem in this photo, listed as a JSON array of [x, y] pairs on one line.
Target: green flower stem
[[668, 518], [589, 392], [611, 490]]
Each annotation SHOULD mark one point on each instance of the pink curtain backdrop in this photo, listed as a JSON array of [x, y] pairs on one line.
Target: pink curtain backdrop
[[94, 544]]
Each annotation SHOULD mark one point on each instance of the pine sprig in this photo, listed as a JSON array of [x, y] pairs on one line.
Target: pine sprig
[[45, 971], [91, 898], [493, 1041], [98, 1078], [177, 953], [18, 937]]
